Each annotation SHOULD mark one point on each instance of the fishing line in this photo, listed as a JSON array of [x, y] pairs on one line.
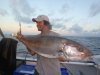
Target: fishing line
[[26, 57]]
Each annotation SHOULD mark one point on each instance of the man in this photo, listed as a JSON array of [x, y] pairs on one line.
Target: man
[[45, 66]]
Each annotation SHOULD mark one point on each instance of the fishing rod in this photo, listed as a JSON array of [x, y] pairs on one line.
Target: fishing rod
[[20, 28], [20, 31], [1, 33]]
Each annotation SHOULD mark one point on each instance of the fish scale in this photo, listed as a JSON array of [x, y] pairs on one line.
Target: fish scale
[[41, 44]]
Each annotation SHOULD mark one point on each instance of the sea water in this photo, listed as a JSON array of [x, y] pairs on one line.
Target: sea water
[[93, 43]]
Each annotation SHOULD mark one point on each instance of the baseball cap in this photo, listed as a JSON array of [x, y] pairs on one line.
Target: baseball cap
[[41, 18]]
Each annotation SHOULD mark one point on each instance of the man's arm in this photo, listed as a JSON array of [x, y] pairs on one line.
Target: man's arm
[[61, 58], [31, 51], [22, 39]]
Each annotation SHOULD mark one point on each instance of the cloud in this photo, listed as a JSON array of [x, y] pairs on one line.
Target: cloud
[[3, 12], [96, 32], [94, 9], [76, 28], [64, 9], [93, 33], [60, 23], [22, 10], [24, 19]]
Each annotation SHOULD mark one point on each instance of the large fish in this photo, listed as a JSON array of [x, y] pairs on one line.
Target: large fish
[[71, 49]]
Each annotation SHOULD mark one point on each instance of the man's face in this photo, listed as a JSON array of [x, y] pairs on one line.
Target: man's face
[[40, 25]]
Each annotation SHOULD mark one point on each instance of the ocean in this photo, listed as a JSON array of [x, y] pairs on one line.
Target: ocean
[[93, 43]]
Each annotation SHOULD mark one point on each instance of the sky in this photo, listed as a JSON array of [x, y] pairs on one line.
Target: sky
[[68, 17]]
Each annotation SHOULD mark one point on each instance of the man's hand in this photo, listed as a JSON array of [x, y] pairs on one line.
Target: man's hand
[[61, 58], [19, 36], [22, 39], [31, 51]]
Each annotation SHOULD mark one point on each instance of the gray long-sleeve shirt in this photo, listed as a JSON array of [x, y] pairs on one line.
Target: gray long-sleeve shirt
[[48, 66]]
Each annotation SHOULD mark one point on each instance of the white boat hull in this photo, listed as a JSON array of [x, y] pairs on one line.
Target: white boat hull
[[78, 68], [81, 68]]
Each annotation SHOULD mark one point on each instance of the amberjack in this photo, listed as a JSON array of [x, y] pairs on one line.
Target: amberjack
[[72, 50]]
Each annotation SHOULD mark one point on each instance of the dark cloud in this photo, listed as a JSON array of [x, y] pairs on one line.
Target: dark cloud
[[59, 26], [60, 22], [16, 13], [25, 8], [96, 30], [24, 19], [22, 10], [18, 17], [94, 33], [64, 8], [3, 12], [76, 28], [94, 9]]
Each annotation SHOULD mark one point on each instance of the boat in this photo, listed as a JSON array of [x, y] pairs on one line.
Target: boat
[[73, 67], [83, 68], [68, 67]]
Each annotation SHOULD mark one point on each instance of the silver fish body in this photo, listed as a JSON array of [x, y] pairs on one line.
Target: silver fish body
[[71, 49]]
